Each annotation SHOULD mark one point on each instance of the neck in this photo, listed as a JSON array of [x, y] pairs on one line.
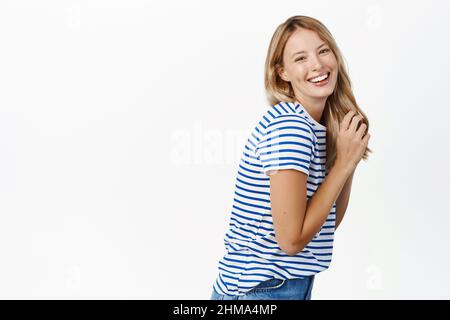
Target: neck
[[314, 107]]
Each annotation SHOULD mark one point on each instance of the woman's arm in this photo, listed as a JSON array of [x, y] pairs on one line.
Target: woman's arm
[[342, 200], [320, 204]]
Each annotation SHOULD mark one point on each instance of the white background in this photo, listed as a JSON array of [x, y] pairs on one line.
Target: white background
[[122, 123]]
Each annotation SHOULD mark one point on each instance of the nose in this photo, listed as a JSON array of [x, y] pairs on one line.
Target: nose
[[315, 62]]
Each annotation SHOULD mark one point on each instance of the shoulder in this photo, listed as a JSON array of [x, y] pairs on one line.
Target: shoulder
[[282, 120], [285, 115], [285, 127]]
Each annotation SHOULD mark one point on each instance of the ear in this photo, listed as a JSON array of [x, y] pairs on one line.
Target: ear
[[282, 73]]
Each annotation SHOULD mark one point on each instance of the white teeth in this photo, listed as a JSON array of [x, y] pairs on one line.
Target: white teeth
[[319, 78]]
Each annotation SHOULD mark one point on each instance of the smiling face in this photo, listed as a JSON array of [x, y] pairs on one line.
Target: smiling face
[[305, 57]]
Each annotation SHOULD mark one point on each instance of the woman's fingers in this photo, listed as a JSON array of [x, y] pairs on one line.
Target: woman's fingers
[[361, 130], [346, 121], [354, 123]]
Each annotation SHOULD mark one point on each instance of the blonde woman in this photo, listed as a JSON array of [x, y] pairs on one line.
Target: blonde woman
[[295, 176]]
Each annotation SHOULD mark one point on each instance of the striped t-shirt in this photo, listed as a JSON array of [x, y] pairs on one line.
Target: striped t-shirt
[[286, 137]]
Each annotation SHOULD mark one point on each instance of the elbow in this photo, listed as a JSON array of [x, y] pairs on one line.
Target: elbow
[[291, 252], [293, 249]]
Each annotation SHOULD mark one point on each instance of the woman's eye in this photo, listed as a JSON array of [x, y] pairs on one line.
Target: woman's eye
[[303, 58]]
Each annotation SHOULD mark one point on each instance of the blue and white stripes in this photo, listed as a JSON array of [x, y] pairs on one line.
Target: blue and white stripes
[[286, 137]]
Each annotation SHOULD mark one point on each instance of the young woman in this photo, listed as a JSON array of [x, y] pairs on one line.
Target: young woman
[[294, 179]]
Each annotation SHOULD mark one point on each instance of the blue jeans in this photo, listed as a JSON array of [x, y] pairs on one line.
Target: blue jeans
[[275, 289]]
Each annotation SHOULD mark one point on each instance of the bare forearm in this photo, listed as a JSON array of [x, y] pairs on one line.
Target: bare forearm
[[320, 204], [343, 199]]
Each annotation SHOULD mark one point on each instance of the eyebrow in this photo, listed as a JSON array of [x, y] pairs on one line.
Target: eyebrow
[[303, 51]]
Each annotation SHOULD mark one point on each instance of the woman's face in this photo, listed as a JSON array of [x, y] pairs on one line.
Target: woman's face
[[305, 57]]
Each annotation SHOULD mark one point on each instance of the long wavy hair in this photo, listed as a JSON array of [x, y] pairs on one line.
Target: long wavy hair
[[338, 103]]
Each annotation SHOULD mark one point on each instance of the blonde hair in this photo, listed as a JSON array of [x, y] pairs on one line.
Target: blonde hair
[[338, 103]]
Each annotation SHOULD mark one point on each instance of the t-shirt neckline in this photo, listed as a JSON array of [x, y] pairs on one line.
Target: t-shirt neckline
[[299, 107]]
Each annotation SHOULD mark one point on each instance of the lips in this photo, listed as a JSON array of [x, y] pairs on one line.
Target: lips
[[327, 73]]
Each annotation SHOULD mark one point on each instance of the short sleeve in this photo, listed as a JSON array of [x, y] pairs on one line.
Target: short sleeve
[[286, 144]]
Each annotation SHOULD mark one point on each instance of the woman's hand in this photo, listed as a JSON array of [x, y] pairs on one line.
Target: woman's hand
[[351, 142]]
